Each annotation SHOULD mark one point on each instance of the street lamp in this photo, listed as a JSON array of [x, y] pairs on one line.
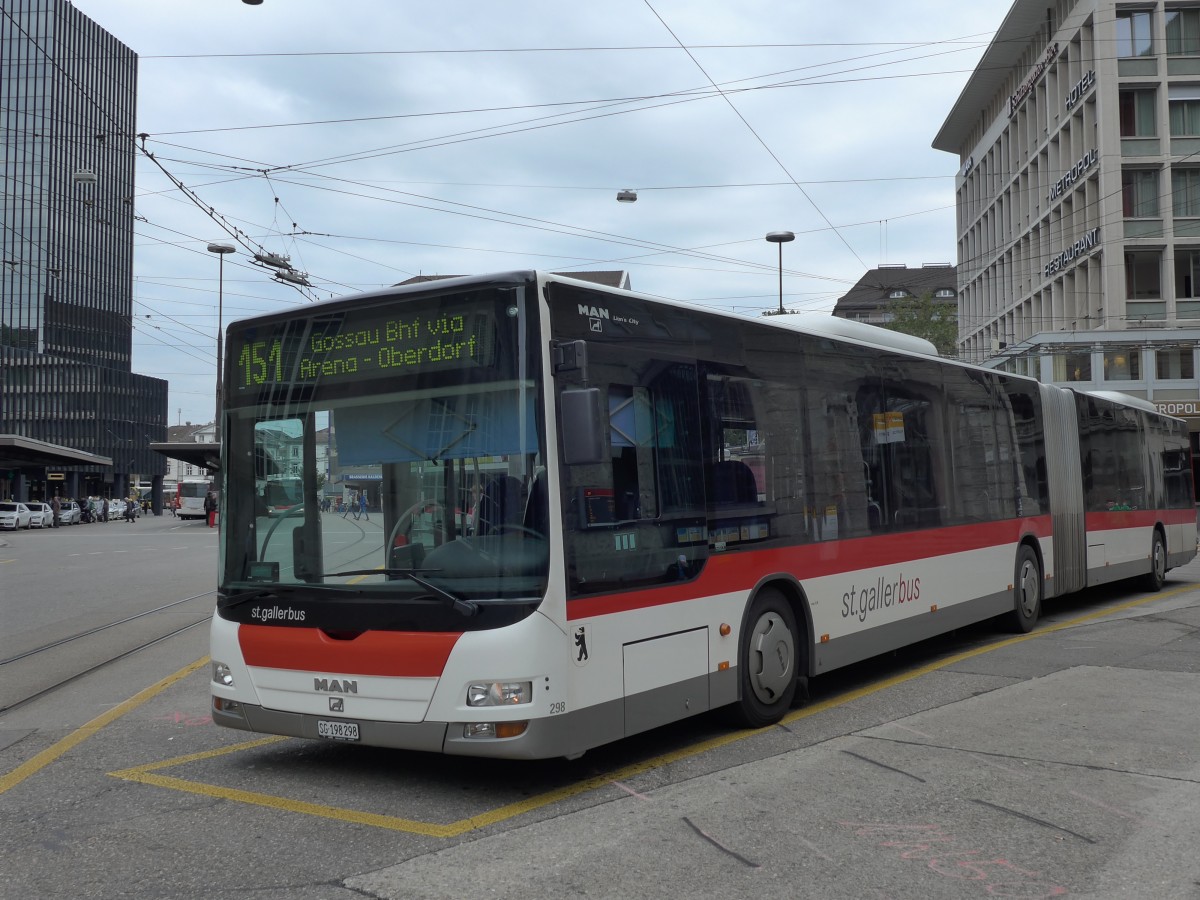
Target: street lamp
[[220, 250], [780, 238]]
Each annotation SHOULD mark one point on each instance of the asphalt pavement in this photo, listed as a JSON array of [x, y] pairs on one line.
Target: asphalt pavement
[[1064, 762], [1082, 781]]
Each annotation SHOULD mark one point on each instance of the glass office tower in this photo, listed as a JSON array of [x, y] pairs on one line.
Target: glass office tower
[[67, 129]]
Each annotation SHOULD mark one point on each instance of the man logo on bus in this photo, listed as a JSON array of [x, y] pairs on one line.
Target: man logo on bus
[[593, 312], [581, 643], [335, 685], [595, 316]]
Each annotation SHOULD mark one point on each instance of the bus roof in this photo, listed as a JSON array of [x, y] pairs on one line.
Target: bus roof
[[816, 324]]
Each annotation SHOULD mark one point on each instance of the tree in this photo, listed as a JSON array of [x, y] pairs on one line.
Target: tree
[[925, 317]]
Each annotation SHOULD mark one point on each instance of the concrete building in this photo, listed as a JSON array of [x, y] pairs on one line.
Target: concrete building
[[68, 94], [1078, 145]]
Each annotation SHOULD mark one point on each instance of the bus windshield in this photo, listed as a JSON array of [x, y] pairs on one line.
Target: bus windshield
[[424, 484]]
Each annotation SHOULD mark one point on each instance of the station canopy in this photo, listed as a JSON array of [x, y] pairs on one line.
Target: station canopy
[[17, 452], [205, 456]]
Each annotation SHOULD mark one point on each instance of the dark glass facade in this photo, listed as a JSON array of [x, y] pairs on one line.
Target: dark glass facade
[[68, 94]]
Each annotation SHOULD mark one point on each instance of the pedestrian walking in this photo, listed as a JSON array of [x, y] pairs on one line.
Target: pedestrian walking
[[104, 510], [362, 506], [210, 508], [56, 508], [346, 508], [131, 509]]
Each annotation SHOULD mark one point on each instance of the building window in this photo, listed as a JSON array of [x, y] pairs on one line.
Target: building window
[[1174, 364], [1187, 274], [943, 293], [1137, 113], [1185, 192], [1183, 101], [1072, 367], [1133, 33], [1143, 274], [1183, 32], [898, 294], [1139, 193], [1123, 364]]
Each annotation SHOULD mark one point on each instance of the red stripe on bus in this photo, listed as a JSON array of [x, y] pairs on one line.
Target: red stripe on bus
[[1112, 519], [739, 571], [407, 654]]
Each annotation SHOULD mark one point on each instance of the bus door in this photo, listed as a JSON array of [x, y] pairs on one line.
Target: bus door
[[634, 519]]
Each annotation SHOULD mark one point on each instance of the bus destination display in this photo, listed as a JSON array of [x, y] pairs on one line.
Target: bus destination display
[[363, 345]]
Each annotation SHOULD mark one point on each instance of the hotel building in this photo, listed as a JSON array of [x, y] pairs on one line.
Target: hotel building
[[1078, 196]]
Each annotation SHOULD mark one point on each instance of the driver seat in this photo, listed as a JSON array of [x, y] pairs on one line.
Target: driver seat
[[499, 505]]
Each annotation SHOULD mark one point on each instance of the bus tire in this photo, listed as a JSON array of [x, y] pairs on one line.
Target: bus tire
[[1153, 580], [1027, 590], [767, 661]]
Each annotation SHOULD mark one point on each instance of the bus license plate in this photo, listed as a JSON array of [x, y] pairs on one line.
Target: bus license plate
[[337, 731]]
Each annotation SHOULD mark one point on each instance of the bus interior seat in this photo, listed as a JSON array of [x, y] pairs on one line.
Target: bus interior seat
[[500, 505], [733, 484]]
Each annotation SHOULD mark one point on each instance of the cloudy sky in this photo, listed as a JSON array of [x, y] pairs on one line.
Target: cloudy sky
[[379, 139]]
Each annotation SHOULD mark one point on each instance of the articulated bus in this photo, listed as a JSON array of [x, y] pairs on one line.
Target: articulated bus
[[189, 499], [604, 512]]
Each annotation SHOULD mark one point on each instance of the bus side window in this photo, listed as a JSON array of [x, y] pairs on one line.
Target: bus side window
[[633, 436], [630, 520]]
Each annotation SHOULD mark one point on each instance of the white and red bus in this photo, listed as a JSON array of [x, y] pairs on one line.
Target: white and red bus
[[189, 497], [679, 509]]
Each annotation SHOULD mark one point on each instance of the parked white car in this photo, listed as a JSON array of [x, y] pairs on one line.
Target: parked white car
[[40, 515], [14, 516]]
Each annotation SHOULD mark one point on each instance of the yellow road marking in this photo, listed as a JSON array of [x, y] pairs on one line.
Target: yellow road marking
[[147, 774], [54, 751]]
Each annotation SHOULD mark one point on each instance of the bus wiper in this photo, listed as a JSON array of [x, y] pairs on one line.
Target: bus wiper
[[458, 604]]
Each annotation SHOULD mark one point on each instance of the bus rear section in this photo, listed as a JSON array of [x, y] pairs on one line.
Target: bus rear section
[[1123, 504], [190, 495]]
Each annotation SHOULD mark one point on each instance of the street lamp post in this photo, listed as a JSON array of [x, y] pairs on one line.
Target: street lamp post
[[220, 250], [780, 238]]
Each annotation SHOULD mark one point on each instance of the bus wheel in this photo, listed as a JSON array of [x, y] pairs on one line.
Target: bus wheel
[[1027, 590], [1153, 580], [767, 661]]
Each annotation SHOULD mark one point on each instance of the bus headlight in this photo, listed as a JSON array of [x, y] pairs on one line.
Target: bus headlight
[[499, 693], [222, 674]]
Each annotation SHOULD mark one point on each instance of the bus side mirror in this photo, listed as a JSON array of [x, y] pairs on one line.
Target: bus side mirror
[[580, 426]]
